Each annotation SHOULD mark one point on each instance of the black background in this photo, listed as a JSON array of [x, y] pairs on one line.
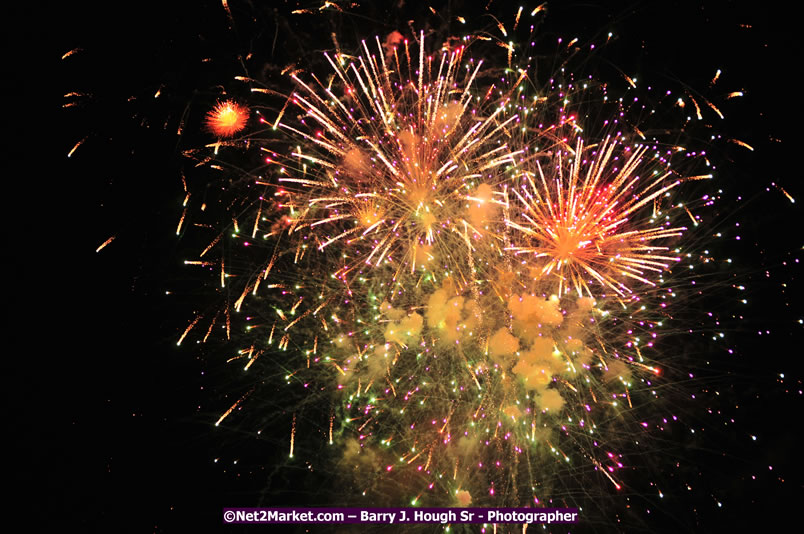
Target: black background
[[110, 427]]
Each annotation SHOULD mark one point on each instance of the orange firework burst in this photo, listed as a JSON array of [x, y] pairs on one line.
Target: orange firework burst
[[227, 118], [401, 152], [586, 220]]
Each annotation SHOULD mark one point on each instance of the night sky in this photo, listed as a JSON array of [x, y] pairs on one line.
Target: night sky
[[112, 424]]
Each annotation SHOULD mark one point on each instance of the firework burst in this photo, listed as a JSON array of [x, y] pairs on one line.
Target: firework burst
[[459, 361], [395, 153], [585, 219], [467, 279], [227, 118]]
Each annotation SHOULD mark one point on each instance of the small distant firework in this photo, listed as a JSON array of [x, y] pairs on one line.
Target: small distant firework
[[227, 118]]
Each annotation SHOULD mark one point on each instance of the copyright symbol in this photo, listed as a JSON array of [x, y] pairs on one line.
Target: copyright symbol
[[228, 516]]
